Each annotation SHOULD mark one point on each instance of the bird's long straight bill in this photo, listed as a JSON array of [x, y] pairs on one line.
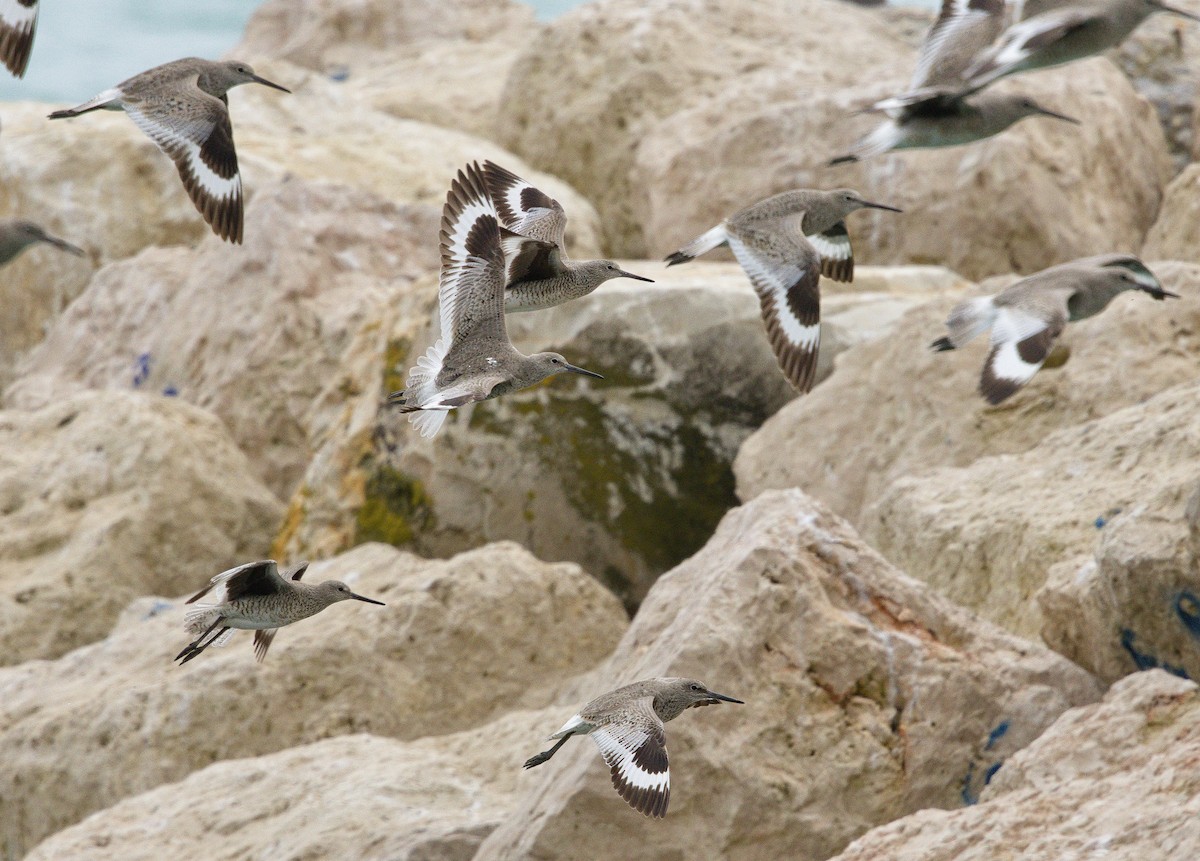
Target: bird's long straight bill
[[267, 83], [575, 369], [717, 696], [867, 203], [625, 274], [358, 597]]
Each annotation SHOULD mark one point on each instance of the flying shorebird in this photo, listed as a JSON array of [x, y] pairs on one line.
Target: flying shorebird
[[473, 360], [1027, 318], [183, 108], [784, 243], [942, 108], [1062, 34], [17, 235], [254, 597], [549, 277], [627, 726], [18, 23]]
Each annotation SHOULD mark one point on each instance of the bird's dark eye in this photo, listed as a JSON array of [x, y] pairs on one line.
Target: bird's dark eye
[[695, 687]]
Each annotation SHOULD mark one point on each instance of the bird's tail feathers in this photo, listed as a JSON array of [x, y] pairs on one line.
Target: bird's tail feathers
[[968, 320], [702, 244], [100, 102], [198, 619], [883, 137]]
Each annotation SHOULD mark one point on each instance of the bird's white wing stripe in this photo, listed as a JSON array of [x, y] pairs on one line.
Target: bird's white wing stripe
[[832, 249], [618, 745], [1007, 364], [761, 272], [1014, 325], [171, 139], [449, 288], [16, 16]]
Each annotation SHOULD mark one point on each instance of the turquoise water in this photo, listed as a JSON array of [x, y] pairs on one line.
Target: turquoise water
[[84, 46]]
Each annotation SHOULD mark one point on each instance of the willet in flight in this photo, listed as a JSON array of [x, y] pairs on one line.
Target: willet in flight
[[545, 278], [183, 108], [1028, 317], [254, 597], [941, 108], [784, 243], [17, 235], [18, 23], [627, 726], [473, 360], [1064, 33]]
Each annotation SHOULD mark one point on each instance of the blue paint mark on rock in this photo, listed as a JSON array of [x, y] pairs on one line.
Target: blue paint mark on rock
[[158, 607], [1100, 522], [998, 732], [1144, 660], [1187, 608], [171, 392], [991, 772], [969, 796], [141, 370]]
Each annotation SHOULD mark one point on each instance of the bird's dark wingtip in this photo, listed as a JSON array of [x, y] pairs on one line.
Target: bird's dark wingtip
[[676, 258], [941, 345], [842, 159]]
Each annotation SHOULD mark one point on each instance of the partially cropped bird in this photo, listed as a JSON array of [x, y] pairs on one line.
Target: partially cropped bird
[[942, 106], [183, 108], [473, 360], [1027, 318], [1066, 32], [627, 725], [545, 276], [16, 235], [18, 24], [255, 597], [784, 244]]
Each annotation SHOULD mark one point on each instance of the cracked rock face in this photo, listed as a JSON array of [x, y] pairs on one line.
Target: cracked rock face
[[868, 696]]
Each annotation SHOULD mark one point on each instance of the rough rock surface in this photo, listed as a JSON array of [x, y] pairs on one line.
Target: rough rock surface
[[452, 649], [330, 132], [321, 33], [987, 535], [275, 338], [1172, 237], [911, 409], [359, 796], [1041, 193], [1162, 60], [104, 497], [1115, 780], [443, 63], [627, 64], [97, 182], [867, 696], [626, 477]]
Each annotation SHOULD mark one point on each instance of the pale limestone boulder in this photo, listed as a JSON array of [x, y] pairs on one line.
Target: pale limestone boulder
[[989, 535], [443, 63], [908, 409], [332, 132], [452, 649], [322, 33], [1114, 780], [594, 82], [868, 696], [359, 796], [1162, 60], [626, 477], [105, 496], [97, 182], [278, 337], [1173, 236], [1134, 603], [1040, 193]]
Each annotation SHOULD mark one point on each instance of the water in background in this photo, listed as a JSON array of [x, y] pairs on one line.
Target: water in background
[[85, 46]]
